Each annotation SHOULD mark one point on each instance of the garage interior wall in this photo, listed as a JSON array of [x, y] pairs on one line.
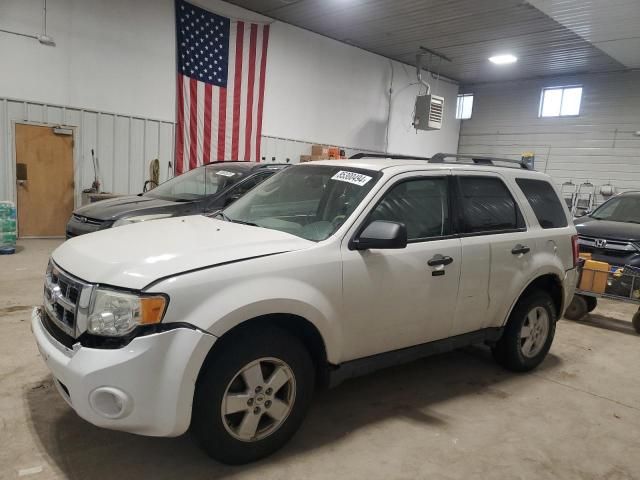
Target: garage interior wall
[[119, 57], [599, 145]]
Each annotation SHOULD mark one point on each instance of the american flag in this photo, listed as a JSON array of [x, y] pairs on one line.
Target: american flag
[[220, 87]]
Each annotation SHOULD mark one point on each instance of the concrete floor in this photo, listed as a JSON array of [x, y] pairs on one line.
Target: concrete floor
[[456, 415]]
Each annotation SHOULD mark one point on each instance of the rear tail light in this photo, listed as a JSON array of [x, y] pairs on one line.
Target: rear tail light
[[576, 250]]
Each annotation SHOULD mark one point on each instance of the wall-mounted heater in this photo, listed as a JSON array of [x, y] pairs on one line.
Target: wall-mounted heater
[[429, 112]]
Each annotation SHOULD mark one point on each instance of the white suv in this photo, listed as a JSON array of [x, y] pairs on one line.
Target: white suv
[[325, 271]]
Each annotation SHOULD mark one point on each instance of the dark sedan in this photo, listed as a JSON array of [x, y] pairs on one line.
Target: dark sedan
[[612, 232], [205, 189]]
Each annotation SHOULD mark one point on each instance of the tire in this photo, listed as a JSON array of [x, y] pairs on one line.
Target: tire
[[264, 350], [577, 309], [521, 353], [636, 321], [592, 303]]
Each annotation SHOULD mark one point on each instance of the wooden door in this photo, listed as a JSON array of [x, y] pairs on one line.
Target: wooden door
[[44, 177]]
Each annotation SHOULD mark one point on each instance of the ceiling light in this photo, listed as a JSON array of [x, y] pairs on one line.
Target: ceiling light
[[503, 59]]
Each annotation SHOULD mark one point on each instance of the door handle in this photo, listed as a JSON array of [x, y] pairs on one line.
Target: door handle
[[438, 259], [22, 183], [518, 249]]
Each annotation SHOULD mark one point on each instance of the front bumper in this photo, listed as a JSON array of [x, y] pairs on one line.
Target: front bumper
[[145, 388]]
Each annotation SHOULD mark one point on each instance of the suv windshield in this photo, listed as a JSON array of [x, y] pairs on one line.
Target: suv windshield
[[197, 183], [310, 201], [619, 209]]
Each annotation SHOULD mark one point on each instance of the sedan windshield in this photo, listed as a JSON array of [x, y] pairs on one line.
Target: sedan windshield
[[619, 209], [197, 183], [310, 201]]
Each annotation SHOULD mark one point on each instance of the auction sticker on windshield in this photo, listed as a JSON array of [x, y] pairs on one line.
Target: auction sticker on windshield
[[224, 173], [351, 177]]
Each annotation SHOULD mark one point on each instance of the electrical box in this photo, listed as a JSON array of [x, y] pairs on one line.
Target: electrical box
[[429, 112]]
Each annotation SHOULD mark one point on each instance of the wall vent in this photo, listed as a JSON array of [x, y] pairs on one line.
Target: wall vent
[[429, 112]]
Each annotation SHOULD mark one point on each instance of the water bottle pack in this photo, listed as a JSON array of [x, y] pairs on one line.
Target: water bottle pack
[[8, 230]]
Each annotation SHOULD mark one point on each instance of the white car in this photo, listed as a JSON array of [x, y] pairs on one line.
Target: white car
[[325, 271]]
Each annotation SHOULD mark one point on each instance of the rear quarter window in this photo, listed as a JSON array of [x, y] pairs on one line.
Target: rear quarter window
[[544, 201]]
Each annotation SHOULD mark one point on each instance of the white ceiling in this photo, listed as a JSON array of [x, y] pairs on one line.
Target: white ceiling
[[613, 26]]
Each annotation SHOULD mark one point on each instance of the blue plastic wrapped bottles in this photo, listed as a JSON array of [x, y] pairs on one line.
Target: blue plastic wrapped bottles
[[8, 230]]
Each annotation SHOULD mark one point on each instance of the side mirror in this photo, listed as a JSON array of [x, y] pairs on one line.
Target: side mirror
[[381, 234]]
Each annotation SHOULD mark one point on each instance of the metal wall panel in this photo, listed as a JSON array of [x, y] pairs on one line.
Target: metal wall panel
[[599, 145], [123, 145]]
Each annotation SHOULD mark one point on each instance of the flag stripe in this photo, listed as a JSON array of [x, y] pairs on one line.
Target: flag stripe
[[206, 154], [250, 85], [193, 123], [222, 127], [263, 71], [237, 90], [180, 128]]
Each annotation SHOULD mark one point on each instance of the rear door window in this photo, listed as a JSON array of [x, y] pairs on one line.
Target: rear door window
[[544, 201], [487, 206]]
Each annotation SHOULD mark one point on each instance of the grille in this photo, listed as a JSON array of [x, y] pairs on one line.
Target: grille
[[87, 220], [612, 247], [62, 294], [435, 113]]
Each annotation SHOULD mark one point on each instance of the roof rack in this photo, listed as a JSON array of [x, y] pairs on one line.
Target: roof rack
[[358, 156], [442, 158], [478, 160]]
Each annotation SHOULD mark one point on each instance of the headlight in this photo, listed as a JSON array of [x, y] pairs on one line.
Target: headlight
[[114, 314], [140, 218]]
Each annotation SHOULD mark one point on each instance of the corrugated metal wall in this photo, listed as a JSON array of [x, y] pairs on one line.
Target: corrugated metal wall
[[599, 145], [123, 145]]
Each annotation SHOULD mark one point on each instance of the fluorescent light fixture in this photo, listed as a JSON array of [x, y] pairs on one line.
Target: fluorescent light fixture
[[503, 59]]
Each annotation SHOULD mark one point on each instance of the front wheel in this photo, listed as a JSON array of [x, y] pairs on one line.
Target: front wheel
[[253, 395], [528, 334]]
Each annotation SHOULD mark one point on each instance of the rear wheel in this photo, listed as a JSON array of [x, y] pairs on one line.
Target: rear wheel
[[577, 309], [253, 395], [528, 334]]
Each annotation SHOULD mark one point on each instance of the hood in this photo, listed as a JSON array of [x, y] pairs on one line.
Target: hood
[[133, 256], [115, 208], [592, 227]]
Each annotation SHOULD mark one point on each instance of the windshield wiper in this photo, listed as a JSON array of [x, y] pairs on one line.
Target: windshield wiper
[[227, 218]]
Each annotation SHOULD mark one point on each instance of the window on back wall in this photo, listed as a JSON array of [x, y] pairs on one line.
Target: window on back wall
[[464, 106], [560, 101]]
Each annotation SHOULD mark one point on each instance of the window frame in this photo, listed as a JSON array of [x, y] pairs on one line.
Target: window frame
[[458, 98], [453, 233], [459, 211], [562, 88]]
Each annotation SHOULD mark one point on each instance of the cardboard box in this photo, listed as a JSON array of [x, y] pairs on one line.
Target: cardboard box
[[594, 276], [334, 152], [319, 157], [320, 151], [305, 158]]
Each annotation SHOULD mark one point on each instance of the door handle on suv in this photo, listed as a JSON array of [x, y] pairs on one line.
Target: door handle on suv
[[518, 249], [438, 259]]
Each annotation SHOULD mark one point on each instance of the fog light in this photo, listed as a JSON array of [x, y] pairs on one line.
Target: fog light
[[110, 402]]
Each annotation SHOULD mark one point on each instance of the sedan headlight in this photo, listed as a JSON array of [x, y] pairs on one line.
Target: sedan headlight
[[114, 314], [140, 218]]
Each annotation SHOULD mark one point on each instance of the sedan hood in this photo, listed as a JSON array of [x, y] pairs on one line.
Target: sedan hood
[[135, 255], [592, 227], [115, 208]]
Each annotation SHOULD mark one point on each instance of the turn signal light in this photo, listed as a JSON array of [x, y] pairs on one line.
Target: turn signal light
[[151, 309]]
